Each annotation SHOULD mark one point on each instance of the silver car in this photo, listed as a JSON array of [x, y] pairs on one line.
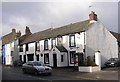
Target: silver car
[[36, 68]]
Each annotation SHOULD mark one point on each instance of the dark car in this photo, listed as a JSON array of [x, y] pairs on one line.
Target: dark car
[[18, 63], [112, 62], [36, 68]]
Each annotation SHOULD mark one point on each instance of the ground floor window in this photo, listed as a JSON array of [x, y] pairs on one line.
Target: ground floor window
[[46, 58], [20, 57], [62, 58], [37, 57], [72, 57], [30, 57]]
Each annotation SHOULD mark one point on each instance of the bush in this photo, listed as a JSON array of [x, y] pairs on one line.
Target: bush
[[91, 61]]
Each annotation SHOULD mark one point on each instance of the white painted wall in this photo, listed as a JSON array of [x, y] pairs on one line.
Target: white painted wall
[[79, 40], [8, 57], [31, 48], [59, 63], [22, 53], [15, 49], [0, 51], [99, 38], [119, 23]]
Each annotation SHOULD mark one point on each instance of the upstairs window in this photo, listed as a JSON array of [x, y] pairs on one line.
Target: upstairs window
[[72, 40], [46, 45], [37, 46], [59, 40], [46, 58], [27, 47], [21, 48], [53, 43]]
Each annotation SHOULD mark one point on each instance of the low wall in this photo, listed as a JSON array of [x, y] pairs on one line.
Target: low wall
[[88, 68]]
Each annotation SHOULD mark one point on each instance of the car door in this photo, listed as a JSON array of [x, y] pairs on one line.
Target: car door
[[30, 68]]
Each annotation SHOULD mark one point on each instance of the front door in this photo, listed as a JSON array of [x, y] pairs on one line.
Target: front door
[[54, 60], [80, 59], [24, 58]]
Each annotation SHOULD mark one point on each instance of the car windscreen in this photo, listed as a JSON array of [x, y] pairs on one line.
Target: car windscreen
[[113, 59], [37, 64]]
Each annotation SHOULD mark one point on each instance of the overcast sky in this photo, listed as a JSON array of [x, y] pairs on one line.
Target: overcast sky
[[45, 14]]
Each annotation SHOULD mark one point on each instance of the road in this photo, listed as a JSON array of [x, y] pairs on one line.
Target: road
[[0, 72], [15, 73]]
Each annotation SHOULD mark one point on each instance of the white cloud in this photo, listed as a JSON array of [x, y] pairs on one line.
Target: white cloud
[[40, 14], [22, 21]]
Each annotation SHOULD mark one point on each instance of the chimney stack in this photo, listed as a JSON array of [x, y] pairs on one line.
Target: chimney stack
[[13, 30], [92, 16], [18, 34], [27, 31]]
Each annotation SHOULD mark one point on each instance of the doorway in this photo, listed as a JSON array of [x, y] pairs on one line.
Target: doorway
[[80, 59], [24, 58], [54, 60]]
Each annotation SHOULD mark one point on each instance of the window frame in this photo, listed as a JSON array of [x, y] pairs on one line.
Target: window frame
[[52, 44], [46, 54], [62, 58], [73, 54], [58, 40], [46, 48], [21, 48], [37, 46], [70, 42]]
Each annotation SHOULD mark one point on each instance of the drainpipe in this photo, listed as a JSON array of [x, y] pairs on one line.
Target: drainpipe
[[68, 57], [85, 56]]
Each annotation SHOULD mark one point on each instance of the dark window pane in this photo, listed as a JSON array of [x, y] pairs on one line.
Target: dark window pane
[[72, 40], [46, 58], [46, 45]]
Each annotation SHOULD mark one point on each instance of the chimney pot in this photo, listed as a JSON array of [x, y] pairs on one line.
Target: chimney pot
[[13, 30], [92, 16]]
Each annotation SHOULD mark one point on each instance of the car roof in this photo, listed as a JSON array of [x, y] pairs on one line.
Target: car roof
[[34, 61]]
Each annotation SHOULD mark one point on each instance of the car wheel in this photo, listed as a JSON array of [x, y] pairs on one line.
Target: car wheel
[[49, 73], [116, 65], [36, 72], [24, 70]]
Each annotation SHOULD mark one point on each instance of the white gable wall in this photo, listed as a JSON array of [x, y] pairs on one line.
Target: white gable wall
[[8, 57], [99, 38]]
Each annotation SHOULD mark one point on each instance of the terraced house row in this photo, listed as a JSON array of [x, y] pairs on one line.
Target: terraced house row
[[68, 45]]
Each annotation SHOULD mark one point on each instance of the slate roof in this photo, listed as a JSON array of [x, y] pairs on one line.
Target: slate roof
[[60, 31], [61, 48], [116, 35], [8, 38], [37, 36]]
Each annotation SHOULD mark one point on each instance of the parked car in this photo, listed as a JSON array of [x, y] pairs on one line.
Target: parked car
[[114, 62], [18, 63], [36, 68]]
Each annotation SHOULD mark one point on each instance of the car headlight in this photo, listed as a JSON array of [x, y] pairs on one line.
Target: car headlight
[[112, 63]]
